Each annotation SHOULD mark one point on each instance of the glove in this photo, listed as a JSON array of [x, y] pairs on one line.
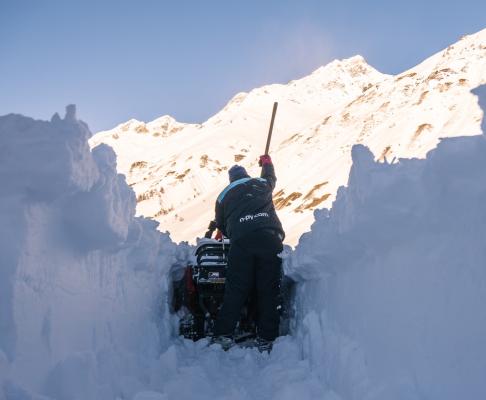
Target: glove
[[211, 229], [219, 235], [264, 160]]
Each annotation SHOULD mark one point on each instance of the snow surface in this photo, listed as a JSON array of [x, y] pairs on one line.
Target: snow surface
[[177, 170], [394, 279], [389, 304], [81, 279]]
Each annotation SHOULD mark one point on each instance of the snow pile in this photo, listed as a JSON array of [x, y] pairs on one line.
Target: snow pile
[[391, 304], [80, 277]]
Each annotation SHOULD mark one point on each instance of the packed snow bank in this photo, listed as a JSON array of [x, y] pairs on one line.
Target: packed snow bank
[[393, 292], [80, 276]]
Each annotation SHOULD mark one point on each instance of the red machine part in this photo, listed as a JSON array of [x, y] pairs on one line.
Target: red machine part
[[191, 290]]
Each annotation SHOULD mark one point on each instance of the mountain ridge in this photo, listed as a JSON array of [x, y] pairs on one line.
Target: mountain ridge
[[178, 169]]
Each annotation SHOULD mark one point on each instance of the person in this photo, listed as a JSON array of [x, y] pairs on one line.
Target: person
[[245, 213]]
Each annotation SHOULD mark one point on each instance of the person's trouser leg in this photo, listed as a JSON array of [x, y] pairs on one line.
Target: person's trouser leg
[[268, 271], [239, 282], [265, 247]]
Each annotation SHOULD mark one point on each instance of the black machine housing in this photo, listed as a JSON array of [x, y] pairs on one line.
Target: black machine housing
[[198, 295]]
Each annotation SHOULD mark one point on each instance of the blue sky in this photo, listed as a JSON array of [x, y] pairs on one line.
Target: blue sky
[[142, 59]]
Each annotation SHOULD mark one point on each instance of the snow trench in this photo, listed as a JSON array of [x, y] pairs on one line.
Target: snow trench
[[389, 304]]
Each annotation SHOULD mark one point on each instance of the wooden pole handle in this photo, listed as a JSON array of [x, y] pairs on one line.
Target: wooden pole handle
[[269, 137]]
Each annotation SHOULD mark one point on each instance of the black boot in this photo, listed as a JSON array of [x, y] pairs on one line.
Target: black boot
[[225, 341], [263, 345]]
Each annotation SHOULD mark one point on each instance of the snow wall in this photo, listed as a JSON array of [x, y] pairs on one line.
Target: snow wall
[[392, 300], [82, 281]]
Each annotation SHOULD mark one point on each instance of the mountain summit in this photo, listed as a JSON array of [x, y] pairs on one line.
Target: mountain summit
[[177, 169]]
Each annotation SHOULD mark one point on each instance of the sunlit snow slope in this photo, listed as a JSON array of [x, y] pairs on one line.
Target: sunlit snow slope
[[178, 169]]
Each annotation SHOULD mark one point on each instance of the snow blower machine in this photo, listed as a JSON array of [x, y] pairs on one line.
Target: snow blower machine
[[198, 292]]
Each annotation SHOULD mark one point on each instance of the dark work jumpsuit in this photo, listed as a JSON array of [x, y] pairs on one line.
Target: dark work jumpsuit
[[245, 213]]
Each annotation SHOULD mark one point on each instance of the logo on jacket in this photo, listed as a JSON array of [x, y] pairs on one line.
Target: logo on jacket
[[252, 217]]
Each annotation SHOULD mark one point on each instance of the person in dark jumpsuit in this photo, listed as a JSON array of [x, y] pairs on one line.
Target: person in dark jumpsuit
[[245, 213]]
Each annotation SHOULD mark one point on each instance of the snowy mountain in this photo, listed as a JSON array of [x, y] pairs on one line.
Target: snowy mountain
[[177, 170], [389, 299]]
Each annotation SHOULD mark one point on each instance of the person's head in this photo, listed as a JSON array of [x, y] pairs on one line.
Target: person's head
[[237, 172]]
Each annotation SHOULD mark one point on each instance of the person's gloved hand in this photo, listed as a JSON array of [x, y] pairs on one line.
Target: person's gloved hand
[[211, 229], [264, 160]]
